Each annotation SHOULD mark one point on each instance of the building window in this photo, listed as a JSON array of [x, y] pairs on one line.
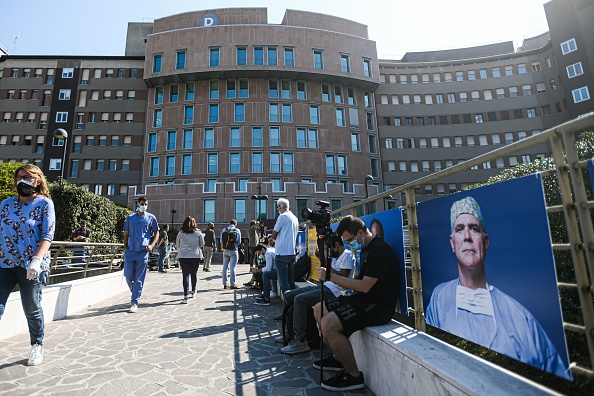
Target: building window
[[580, 94], [188, 115], [314, 115], [244, 88], [214, 57], [239, 112], [241, 56], [531, 113], [213, 113], [173, 93], [62, 116], [286, 89], [272, 56], [575, 70], [275, 166], [288, 162], [522, 68], [209, 210], [214, 89], [274, 136], [325, 93], [158, 95], [240, 211], [289, 57], [213, 163], [208, 137], [157, 118], [234, 163], [171, 140], [258, 56], [301, 93], [367, 68], [287, 112], [318, 58], [64, 94], [235, 137], [189, 91], [157, 58], [356, 142], [340, 120], [370, 123], [180, 60], [257, 140], [568, 46], [345, 64], [257, 163]]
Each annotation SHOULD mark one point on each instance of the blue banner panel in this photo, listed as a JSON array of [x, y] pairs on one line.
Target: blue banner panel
[[488, 271], [591, 172], [388, 225]]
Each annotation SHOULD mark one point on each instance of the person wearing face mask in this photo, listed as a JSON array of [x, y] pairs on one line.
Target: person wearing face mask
[[141, 232], [28, 223], [373, 302], [269, 275], [472, 308], [304, 298]]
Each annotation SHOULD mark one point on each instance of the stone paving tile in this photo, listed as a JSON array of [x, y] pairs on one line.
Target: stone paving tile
[[218, 344]]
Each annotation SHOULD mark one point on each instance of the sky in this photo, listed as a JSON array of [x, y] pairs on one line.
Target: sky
[[79, 27]]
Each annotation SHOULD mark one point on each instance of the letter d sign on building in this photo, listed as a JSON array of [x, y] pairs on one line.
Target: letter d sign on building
[[209, 20]]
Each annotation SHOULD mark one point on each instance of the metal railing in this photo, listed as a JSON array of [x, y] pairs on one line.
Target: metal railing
[[75, 260], [575, 207]]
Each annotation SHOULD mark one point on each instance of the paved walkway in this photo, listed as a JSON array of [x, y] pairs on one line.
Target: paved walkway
[[218, 344]]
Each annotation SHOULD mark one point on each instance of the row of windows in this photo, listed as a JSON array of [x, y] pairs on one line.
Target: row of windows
[[305, 138], [109, 164], [68, 72], [62, 117], [456, 141], [277, 112], [413, 166], [468, 75], [470, 118], [262, 55], [475, 96]]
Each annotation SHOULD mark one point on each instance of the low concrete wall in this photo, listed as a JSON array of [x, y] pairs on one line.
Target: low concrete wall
[[61, 300], [398, 360]]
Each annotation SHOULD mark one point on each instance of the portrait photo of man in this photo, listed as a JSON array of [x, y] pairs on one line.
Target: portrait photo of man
[[472, 305]]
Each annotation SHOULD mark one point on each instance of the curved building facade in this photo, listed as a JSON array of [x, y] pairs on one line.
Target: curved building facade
[[238, 107]]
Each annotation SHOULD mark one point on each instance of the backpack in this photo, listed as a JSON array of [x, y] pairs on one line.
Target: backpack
[[313, 334], [229, 239], [301, 269]]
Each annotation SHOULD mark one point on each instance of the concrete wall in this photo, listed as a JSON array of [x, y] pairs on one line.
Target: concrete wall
[[61, 300]]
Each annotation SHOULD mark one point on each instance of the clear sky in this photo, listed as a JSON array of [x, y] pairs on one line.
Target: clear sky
[[83, 27]]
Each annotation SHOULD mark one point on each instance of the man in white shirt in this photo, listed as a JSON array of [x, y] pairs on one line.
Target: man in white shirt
[[285, 235]]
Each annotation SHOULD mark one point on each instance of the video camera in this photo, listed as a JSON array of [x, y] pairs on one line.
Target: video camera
[[320, 218]]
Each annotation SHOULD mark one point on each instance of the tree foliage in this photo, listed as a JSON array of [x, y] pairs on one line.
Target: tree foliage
[[7, 170]]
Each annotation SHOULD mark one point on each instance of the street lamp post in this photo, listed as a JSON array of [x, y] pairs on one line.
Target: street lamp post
[[173, 212], [368, 178], [260, 198], [61, 134]]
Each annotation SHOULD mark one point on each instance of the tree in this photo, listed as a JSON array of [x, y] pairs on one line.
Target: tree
[[7, 171]]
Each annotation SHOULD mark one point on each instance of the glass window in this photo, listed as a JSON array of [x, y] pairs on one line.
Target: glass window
[[239, 112], [257, 137], [345, 65], [171, 140], [213, 112], [301, 94], [318, 59], [289, 57], [301, 141], [312, 138], [355, 142], [157, 63], [366, 67], [274, 136], [235, 137], [189, 91], [275, 166], [288, 162], [272, 56], [234, 163], [580, 94], [213, 163], [496, 72], [258, 56], [154, 166], [257, 163], [208, 137], [209, 210], [188, 115], [340, 120], [274, 113], [314, 115], [287, 114], [173, 93], [214, 57], [272, 89], [187, 164], [338, 94], [568, 46], [325, 93], [214, 89], [244, 88], [241, 56], [240, 211], [286, 89], [231, 89], [188, 137], [180, 60], [572, 70], [170, 168]]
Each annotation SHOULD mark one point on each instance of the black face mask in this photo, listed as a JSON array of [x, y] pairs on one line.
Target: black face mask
[[335, 254], [24, 189]]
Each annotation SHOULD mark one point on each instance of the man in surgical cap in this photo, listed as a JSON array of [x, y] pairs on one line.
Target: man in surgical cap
[[471, 308]]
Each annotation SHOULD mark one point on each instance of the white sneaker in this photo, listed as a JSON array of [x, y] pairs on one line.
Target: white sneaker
[[36, 356], [273, 295], [133, 307]]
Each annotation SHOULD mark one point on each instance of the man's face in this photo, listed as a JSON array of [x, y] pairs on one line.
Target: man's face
[[469, 242]]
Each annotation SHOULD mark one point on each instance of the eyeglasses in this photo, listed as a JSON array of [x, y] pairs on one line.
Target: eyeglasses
[[349, 241], [25, 177]]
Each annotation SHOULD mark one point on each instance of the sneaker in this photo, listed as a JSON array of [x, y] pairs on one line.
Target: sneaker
[[296, 346], [192, 294], [36, 356], [163, 271], [206, 270], [273, 295], [133, 307], [280, 339], [343, 381], [278, 318], [262, 301], [234, 287], [330, 363], [225, 287], [184, 301]]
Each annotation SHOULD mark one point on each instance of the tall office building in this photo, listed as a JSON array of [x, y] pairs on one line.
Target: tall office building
[[210, 108]]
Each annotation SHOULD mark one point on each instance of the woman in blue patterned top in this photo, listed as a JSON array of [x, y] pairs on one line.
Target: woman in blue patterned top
[[28, 222]]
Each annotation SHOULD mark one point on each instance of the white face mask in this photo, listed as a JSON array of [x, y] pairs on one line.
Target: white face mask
[[142, 208]]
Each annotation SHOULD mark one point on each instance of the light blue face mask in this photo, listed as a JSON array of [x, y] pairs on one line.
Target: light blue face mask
[[354, 245]]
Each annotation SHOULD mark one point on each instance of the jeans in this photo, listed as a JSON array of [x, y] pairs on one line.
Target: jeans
[[230, 258], [189, 268], [267, 280], [304, 298], [162, 254], [135, 264], [31, 292], [286, 272], [207, 250]]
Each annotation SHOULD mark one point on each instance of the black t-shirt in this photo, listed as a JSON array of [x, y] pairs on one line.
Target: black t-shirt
[[378, 260], [163, 235]]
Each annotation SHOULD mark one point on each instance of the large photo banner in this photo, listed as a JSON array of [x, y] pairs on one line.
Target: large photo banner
[[488, 271], [388, 226]]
